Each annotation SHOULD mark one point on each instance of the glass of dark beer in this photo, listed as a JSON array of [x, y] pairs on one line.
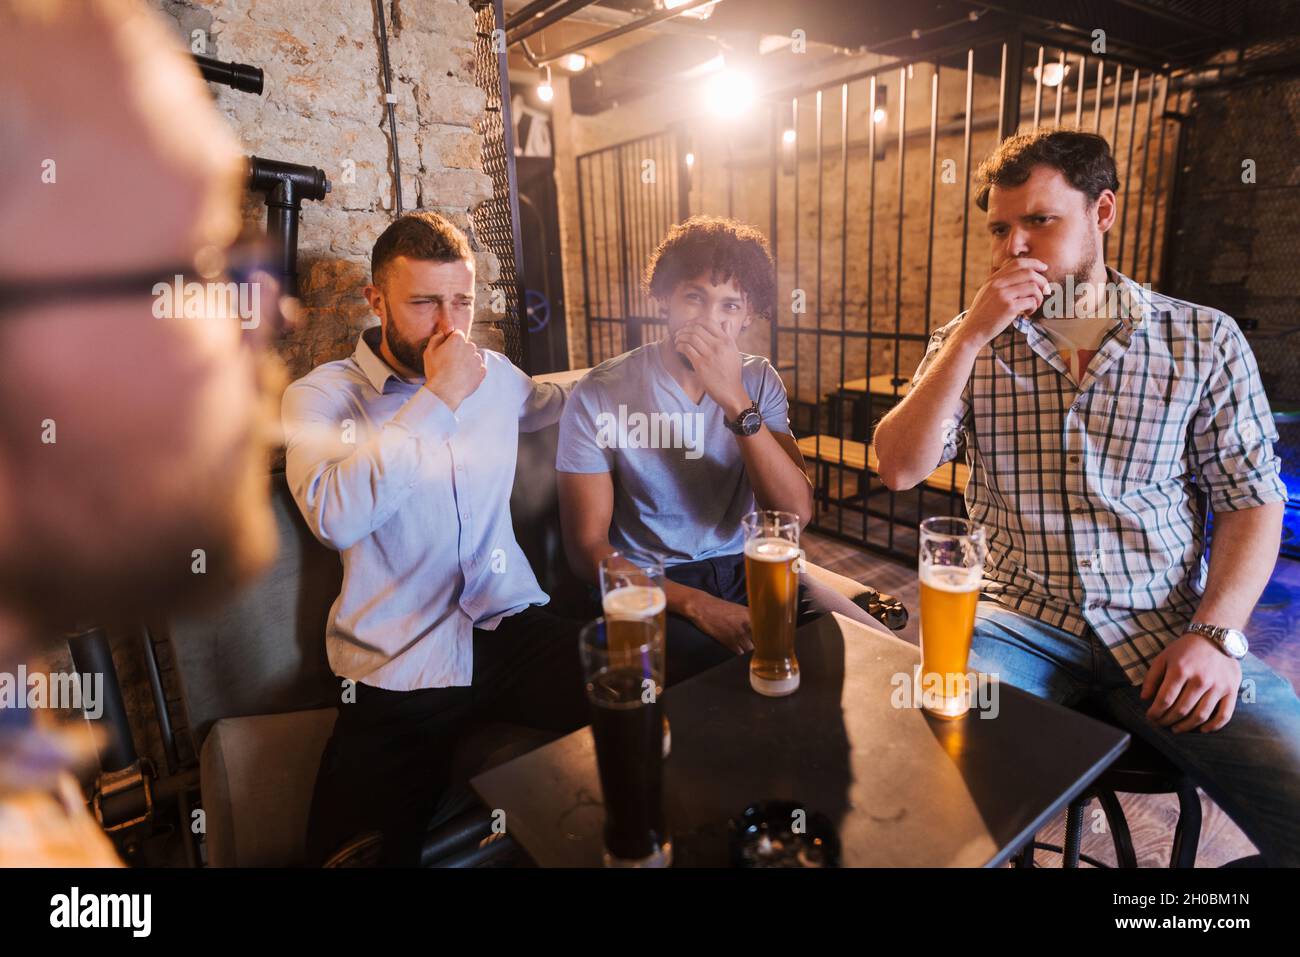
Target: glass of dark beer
[[623, 679]]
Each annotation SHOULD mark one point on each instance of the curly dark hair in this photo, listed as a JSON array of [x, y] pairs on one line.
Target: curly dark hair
[[1083, 158], [726, 248]]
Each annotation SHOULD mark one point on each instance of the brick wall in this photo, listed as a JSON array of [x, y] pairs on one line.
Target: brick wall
[[323, 105]]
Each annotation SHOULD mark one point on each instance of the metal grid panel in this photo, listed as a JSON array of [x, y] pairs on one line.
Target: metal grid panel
[[874, 222], [869, 223], [496, 220], [629, 195]]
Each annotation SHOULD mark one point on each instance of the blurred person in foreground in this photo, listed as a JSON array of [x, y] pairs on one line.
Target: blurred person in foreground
[[127, 441]]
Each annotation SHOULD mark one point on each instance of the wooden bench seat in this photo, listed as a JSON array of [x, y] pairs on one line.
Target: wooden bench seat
[[860, 457]]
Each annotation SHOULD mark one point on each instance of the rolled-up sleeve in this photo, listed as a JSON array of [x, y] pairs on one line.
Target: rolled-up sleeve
[[346, 483], [954, 427], [1232, 432]]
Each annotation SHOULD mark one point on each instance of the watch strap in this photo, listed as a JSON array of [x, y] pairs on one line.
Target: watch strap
[[735, 424]]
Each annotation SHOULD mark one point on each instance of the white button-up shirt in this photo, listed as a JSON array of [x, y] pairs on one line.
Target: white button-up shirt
[[417, 500]]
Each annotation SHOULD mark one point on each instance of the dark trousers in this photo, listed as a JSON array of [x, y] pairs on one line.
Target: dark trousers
[[689, 650], [389, 759]]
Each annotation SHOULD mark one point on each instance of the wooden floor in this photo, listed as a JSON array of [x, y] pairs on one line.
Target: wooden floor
[[1274, 634]]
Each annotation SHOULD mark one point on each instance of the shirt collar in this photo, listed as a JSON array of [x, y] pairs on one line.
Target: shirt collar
[[1134, 303], [375, 369]]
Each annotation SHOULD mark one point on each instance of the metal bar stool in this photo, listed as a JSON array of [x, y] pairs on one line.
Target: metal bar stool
[[1141, 769]]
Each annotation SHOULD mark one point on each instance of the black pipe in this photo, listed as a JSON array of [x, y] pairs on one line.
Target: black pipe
[[389, 100], [653, 18], [286, 185], [527, 12], [159, 701], [238, 76], [92, 656], [544, 20]]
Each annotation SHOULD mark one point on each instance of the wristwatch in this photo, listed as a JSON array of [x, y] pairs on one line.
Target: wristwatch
[[748, 422], [1230, 641]]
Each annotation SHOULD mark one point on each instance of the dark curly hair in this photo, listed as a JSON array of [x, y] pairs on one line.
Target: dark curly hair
[[1083, 158], [726, 248]]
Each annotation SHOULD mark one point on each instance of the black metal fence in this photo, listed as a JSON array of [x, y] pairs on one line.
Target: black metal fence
[[628, 196], [878, 240], [866, 186]]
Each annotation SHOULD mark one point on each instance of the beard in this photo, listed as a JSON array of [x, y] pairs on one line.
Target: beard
[[408, 352], [1081, 273]]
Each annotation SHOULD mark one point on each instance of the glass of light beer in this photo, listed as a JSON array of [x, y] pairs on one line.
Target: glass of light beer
[[632, 591], [626, 724], [951, 570], [772, 564]]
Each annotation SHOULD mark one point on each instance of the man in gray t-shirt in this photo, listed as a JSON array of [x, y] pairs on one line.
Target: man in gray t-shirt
[[664, 449]]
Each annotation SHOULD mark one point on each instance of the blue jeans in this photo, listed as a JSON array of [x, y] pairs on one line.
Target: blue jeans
[[1250, 767]]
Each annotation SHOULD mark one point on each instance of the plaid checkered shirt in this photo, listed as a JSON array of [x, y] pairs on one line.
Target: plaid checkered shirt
[[1088, 491]]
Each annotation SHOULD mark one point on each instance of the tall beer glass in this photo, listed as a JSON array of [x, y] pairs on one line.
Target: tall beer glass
[[951, 570], [627, 725], [632, 591], [772, 564]]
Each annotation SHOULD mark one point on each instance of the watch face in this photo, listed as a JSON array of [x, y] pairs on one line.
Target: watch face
[[750, 423], [1235, 642]]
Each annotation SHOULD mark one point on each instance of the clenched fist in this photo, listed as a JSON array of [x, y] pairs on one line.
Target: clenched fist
[[1017, 287], [453, 367]]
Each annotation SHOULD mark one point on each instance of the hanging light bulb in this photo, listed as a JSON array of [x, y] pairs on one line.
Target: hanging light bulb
[[546, 92], [730, 92], [575, 62], [1052, 73]]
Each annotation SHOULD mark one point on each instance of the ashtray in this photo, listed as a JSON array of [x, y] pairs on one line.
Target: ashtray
[[783, 834]]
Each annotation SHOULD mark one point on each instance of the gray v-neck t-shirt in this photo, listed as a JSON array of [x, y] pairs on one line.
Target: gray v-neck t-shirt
[[680, 488]]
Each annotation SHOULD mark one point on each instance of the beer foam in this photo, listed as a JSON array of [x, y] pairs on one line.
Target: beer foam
[[634, 601], [771, 549], [951, 578]]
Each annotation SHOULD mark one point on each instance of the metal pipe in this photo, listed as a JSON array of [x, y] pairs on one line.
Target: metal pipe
[[286, 185], [898, 270], [159, 702], [844, 277], [527, 12], [821, 208], [582, 239], [92, 657], [1146, 163], [1013, 63], [1079, 92], [237, 76], [775, 146], [1128, 165], [544, 20], [388, 102], [1038, 88], [657, 17], [965, 196], [1160, 175]]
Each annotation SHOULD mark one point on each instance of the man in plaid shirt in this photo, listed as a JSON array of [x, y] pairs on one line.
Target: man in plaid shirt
[[1094, 442]]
